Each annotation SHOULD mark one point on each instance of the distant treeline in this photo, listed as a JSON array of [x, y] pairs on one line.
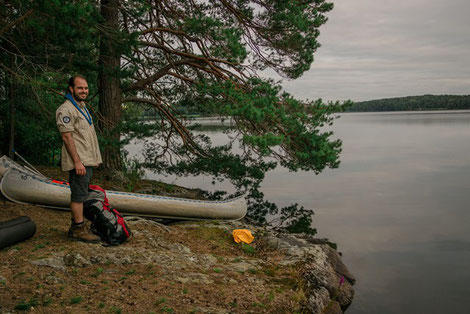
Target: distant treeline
[[425, 102]]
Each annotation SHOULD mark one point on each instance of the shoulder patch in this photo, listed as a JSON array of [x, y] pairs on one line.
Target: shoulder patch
[[66, 119]]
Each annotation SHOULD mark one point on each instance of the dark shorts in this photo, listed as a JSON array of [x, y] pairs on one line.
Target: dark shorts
[[79, 185]]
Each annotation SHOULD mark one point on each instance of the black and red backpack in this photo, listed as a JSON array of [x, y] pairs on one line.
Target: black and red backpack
[[106, 222]]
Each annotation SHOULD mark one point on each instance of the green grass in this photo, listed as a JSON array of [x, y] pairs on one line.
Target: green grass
[[233, 304], [248, 249], [130, 272], [159, 301], [217, 270], [256, 304], [270, 272], [98, 272], [76, 300], [26, 306], [47, 302], [271, 296], [23, 306], [101, 305], [19, 274], [41, 246]]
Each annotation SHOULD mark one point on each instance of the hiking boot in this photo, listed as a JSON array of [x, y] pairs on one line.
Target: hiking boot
[[82, 233]]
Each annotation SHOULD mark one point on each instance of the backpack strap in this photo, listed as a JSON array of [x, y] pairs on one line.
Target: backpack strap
[[99, 188]]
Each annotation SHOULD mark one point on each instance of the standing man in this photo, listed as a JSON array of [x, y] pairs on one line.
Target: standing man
[[80, 152]]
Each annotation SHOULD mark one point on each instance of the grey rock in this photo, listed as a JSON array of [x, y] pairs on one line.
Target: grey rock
[[245, 265], [54, 262], [336, 262], [207, 260], [318, 300], [54, 280], [76, 260], [319, 273], [322, 267], [195, 278]]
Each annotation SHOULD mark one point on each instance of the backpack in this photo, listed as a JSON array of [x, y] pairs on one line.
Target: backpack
[[106, 222]]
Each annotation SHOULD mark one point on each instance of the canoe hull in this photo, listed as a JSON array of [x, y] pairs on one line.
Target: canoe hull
[[24, 187]]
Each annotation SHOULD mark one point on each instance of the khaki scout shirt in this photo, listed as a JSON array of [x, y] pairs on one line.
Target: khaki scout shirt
[[69, 119]]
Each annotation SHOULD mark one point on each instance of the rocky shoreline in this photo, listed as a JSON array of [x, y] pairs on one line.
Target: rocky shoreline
[[184, 267]]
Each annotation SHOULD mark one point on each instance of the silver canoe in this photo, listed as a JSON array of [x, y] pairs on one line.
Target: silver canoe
[[23, 186]]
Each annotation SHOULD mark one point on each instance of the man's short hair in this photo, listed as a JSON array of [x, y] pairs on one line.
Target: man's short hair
[[73, 78]]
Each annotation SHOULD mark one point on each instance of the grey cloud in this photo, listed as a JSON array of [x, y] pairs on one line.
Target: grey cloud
[[376, 49]]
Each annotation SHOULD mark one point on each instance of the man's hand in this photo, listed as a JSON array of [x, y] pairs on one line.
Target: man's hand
[[80, 169]]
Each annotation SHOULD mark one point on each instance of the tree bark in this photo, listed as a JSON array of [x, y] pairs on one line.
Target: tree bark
[[11, 100], [109, 85]]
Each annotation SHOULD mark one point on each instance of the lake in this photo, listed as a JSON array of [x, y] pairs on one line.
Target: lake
[[398, 207]]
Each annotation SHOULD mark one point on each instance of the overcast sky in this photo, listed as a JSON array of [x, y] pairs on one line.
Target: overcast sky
[[378, 49]]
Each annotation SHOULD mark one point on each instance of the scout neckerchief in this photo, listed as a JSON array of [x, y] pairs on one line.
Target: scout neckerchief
[[87, 115]]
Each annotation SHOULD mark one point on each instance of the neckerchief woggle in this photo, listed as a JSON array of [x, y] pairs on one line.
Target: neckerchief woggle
[[87, 115]]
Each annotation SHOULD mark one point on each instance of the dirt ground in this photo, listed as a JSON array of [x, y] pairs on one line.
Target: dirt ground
[[180, 268]]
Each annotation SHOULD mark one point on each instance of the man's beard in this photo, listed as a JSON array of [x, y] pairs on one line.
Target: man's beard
[[78, 97]]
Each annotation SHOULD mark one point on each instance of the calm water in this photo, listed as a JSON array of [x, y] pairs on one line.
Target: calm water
[[398, 208]]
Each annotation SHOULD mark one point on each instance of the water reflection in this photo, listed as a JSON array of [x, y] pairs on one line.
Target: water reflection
[[398, 207]]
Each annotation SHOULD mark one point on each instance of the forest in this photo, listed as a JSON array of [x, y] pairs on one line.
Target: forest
[[414, 103]]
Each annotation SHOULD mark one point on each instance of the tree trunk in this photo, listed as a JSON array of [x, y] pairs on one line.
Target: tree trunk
[[109, 86], [11, 100]]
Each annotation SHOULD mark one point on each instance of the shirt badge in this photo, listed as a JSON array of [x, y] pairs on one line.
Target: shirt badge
[[66, 119]]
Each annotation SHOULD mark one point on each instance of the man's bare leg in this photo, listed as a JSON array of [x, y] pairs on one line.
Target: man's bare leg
[[77, 211]]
